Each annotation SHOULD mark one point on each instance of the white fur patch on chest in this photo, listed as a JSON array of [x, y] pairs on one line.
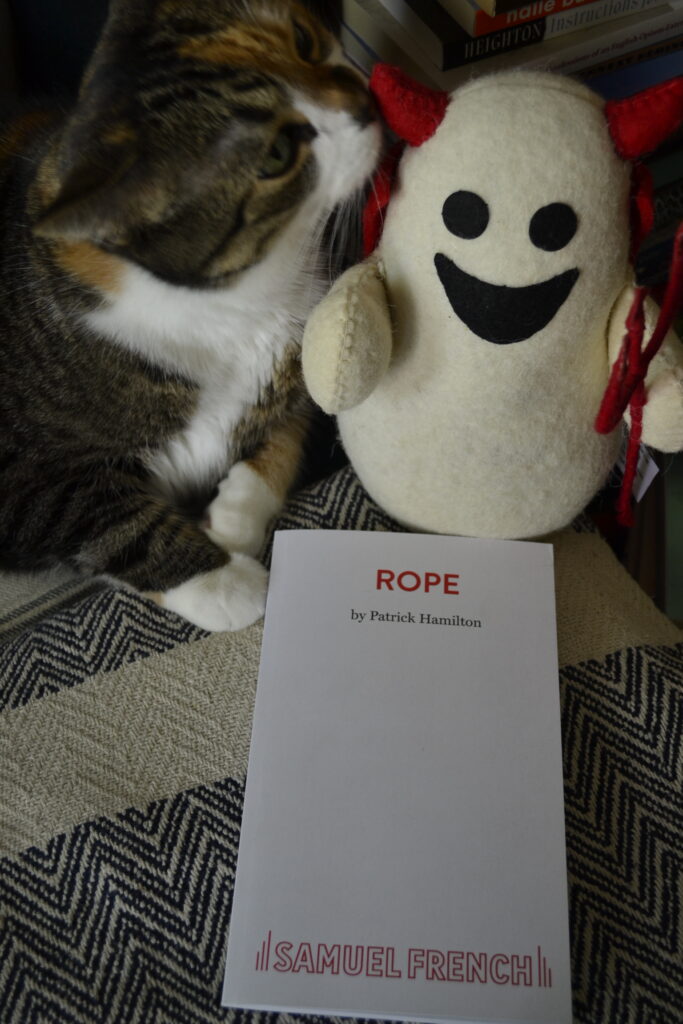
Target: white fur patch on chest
[[226, 341]]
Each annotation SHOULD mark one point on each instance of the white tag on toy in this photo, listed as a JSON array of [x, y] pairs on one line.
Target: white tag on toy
[[645, 473]]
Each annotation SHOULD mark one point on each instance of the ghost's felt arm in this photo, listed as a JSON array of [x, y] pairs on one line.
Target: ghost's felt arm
[[347, 341], [663, 412]]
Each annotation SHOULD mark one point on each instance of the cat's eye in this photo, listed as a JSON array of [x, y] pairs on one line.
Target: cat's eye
[[305, 44], [465, 214], [553, 226], [281, 155]]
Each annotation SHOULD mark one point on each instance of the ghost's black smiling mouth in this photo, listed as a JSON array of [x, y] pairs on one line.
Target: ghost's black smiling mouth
[[498, 313]]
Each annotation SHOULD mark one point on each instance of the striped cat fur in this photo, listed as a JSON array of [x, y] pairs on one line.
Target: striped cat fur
[[159, 253]]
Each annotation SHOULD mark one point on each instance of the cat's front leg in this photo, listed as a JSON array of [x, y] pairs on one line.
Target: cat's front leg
[[229, 597], [255, 489], [147, 543], [238, 517]]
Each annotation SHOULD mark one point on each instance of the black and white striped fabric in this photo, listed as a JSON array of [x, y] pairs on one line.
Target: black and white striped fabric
[[124, 735]]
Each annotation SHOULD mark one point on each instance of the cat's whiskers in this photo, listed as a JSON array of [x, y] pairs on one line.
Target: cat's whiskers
[[343, 226]]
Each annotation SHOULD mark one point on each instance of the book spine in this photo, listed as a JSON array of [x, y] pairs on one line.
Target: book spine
[[594, 14], [357, 51], [375, 29], [481, 47], [482, 23], [637, 70], [620, 40], [430, 25]]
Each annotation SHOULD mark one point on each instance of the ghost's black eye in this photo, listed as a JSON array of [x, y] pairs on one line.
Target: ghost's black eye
[[465, 214], [553, 226]]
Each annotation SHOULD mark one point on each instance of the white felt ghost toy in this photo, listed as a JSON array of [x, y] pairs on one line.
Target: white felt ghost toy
[[468, 356]]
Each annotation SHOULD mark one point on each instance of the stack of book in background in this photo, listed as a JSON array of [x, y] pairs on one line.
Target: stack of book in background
[[445, 42]]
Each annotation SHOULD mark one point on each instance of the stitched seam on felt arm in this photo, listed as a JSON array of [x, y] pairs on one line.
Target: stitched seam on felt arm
[[353, 299]]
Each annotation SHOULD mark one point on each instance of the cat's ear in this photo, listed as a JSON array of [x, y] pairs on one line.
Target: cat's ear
[[100, 190]]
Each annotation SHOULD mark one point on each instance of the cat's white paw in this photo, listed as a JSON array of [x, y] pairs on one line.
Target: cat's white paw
[[228, 598], [240, 514]]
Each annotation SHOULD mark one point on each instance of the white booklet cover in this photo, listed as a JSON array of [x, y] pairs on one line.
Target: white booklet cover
[[402, 852]]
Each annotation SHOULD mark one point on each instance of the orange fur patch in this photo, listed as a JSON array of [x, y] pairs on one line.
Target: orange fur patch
[[272, 49], [92, 267], [241, 46], [278, 461]]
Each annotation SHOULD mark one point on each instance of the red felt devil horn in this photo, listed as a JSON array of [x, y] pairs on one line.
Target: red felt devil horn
[[640, 123], [412, 110]]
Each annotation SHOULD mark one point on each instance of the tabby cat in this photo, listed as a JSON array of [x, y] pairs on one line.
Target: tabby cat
[[159, 251]]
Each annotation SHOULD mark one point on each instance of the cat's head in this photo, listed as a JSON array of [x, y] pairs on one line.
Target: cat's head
[[205, 129]]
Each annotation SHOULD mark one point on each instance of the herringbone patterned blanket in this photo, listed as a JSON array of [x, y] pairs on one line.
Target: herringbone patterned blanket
[[123, 747]]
